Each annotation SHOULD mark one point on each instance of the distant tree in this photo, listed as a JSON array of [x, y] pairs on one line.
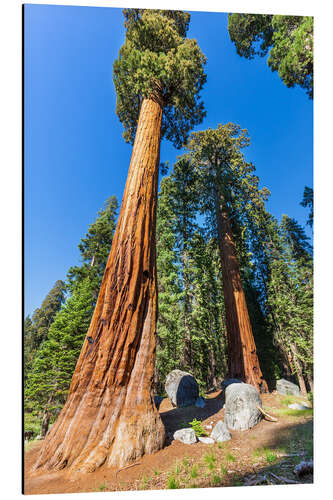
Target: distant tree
[[288, 39], [229, 188], [296, 239], [35, 329], [43, 316], [290, 300], [95, 248], [158, 77], [208, 336], [29, 348], [169, 339], [52, 368], [308, 202]]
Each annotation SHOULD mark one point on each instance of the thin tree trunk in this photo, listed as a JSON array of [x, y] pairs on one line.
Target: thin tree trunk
[[310, 382], [45, 423], [298, 369], [243, 362], [187, 310], [109, 416], [212, 369]]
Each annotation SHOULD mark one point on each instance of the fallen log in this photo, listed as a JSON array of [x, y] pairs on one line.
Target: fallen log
[[284, 479], [267, 416]]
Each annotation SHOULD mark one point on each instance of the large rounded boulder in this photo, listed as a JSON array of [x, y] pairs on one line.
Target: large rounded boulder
[[182, 388], [241, 401], [285, 387]]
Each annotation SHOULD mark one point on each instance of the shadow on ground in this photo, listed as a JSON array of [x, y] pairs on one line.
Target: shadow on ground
[[179, 418]]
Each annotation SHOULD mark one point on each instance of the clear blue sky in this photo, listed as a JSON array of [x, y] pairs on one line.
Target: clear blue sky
[[75, 156]]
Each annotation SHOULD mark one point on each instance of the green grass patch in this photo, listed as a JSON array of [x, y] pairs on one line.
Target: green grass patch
[[102, 487], [288, 412], [210, 460], [172, 483], [217, 480], [194, 472], [229, 457]]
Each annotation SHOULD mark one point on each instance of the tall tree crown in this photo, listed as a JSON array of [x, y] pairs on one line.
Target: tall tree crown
[[289, 40], [157, 61]]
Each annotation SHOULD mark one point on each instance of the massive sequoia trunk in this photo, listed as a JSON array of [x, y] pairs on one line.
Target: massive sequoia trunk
[[109, 416], [243, 362]]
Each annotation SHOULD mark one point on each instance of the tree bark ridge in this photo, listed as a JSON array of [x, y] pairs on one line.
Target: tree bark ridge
[[110, 415]]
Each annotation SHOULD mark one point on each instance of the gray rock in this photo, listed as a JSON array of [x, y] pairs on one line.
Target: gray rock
[[240, 407], [182, 388], [206, 440], [296, 406], [200, 402], [304, 468], [220, 432], [186, 436], [225, 383], [158, 400], [285, 387]]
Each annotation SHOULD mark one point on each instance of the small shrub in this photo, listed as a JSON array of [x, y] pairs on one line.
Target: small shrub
[[102, 487], [197, 427], [172, 483], [270, 456], [216, 479]]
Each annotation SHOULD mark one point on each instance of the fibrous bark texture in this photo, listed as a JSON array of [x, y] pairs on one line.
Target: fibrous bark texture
[[243, 362], [109, 416]]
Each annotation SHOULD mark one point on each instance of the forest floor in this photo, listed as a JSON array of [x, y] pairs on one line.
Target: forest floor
[[265, 454]]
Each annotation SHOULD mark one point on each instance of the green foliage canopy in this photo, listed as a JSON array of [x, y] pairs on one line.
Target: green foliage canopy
[[157, 61], [289, 40]]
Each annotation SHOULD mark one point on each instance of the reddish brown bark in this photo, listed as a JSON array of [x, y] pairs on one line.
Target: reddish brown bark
[[109, 416], [243, 362]]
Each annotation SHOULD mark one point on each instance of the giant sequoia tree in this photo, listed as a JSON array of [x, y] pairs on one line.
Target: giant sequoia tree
[[230, 188], [109, 416]]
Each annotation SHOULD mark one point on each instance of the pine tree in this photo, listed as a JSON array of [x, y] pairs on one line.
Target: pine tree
[[53, 366], [289, 40], [208, 316], [110, 410], [36, 328], [95, 248], [290, 299], [308, 202], [169, 340], [43, 316]]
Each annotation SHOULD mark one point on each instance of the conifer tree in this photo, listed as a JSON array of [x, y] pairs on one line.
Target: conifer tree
[[109, 416], [53, 366], [230, 187], [288, 39], [169, 339], [36, 328], [208, 316], [290, 299], [308, 202], [95, 248]]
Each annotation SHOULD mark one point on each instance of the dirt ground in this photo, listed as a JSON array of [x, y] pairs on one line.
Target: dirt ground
[[265, 454]]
